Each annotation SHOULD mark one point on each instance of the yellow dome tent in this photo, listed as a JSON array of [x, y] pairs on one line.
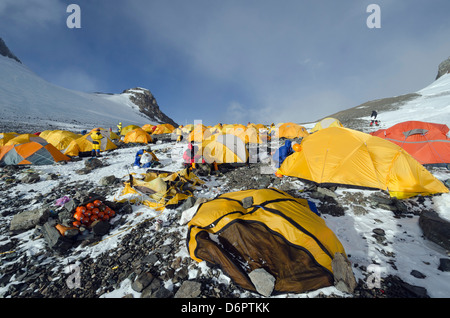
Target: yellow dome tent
[[250, 135], [125, 130], [60, 138], [137, 135], [343, 156], [83, 145], [187, 129], [24, 138], [325, 123], [148, 128], [276, 232], [45, 133], [5, 137], [163, 129], [199, 134], [224, 149], [291, 131]]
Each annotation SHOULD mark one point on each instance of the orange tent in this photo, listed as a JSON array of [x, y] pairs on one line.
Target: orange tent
[[33, 153], [426, 142]]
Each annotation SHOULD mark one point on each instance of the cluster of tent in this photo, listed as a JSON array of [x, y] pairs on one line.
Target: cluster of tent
[[268, 229], [230, 143], [50, 146], [393, 163]]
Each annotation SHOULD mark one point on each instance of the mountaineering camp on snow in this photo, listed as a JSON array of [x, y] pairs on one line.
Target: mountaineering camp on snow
[[273, 240], [354, 205]]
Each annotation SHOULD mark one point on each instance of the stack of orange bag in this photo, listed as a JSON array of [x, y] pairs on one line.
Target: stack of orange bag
[[91, 212]]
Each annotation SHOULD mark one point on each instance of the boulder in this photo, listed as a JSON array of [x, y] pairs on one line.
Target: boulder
[[263, 281], [142, 281], [108, 180], [29, 219], [344, 280], [189, 289], [435, 228], [55, 241]]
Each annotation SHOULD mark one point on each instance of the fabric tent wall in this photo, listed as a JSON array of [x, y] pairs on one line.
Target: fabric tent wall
[[291, 131], [344, 156], [137, 135], [61, 138], [30, 153], [224, 149], [326, 123], [426, 142], [24, 138], [84, 144], [277, 232]]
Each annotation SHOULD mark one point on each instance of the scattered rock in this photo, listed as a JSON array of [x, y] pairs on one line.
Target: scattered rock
[[417, 274], [108, 181], [444, 265], [344, 279], [435, 228], [327, 192], [247, 202], [28, 219], [263, 281], [189, 289], [188, 203], [142, 281], [31, 178], [100, 228], [379, 231], [359, 210], [55, 241], [93, 163]]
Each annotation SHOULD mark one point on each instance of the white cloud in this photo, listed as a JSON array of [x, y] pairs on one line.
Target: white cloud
[[32, 13]]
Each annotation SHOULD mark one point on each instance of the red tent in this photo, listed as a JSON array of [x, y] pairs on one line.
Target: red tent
[[426, 142]]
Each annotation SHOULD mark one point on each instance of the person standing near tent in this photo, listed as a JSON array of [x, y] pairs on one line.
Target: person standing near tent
[[373, 118], [191, 157], [119, 128], [96, 142], [282, 153], [179, 133]]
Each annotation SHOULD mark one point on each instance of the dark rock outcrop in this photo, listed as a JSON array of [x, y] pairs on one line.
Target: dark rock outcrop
[[444, 68], [4, 50], [147, 104]]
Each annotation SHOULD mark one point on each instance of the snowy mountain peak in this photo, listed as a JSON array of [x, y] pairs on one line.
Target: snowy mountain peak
[[29, 102]]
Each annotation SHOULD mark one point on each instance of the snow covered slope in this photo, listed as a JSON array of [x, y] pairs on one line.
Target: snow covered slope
[[27, 98], [433, 105]]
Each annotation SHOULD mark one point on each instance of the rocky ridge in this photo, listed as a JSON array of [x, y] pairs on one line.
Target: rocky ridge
[[5, 51], [444, 68], [147, 104]]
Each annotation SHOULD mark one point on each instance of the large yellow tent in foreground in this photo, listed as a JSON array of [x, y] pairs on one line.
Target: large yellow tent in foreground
[[343, 156], [275, 231]]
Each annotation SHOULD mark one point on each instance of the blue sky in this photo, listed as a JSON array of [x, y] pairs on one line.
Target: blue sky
[[234, 61]]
